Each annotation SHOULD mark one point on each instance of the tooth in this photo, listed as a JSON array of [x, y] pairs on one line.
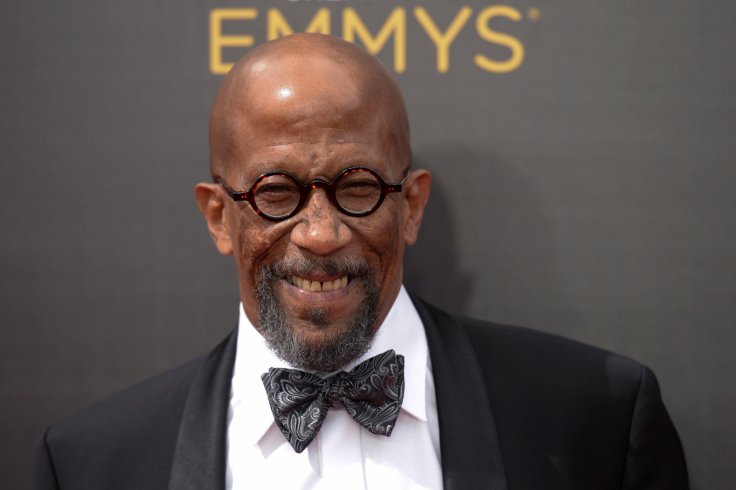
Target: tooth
[[327, 286], [344, 280], [299, 281], [306, 284], [316, 286]]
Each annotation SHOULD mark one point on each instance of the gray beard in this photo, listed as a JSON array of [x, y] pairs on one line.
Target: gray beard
[[335, 352]]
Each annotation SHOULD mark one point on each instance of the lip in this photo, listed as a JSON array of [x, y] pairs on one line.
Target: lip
[[318, 297]]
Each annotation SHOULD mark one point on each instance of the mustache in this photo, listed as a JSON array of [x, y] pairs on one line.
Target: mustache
[[332, 266]]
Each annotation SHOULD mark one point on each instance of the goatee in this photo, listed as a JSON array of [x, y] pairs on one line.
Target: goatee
[[334, 352]]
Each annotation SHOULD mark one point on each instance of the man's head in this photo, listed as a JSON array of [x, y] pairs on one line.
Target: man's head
[[317, 284]]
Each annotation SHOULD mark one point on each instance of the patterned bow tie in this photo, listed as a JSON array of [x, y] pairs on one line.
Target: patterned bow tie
[[371, 393]]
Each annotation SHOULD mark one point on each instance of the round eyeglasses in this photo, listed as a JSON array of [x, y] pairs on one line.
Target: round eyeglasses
[[279, 195]]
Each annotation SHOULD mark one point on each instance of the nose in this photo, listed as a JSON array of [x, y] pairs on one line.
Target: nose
[[321, 229]]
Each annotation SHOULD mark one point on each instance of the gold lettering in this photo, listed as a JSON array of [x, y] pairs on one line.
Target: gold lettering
[[443, 41], [219, 41], [485, 32], [278, 25], [352, 24]]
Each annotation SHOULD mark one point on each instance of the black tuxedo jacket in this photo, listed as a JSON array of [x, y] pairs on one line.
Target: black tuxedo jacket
[[517, 410]]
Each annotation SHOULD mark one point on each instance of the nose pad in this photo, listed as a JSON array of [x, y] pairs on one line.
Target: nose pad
[[321, 229]]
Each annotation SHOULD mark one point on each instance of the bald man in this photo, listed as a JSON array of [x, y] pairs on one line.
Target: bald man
[[336, 377]]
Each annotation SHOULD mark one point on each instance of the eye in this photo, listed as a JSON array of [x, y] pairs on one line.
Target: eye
[[358, 191], [276, 195], [276, 191], [359, 187]]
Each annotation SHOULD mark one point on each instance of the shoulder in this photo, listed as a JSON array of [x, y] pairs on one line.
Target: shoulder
[[580, 415], [528, 364], [128, 439], [138, 406], [534, 377], [604, 409], [134, 428], [545, 356]]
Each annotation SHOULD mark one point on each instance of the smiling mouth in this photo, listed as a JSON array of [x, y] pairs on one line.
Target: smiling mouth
[[317, 286]]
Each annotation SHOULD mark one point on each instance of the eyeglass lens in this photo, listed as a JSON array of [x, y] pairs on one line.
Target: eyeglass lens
[[355, 191]]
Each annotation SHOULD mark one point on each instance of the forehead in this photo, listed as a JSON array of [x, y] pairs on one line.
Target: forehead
[[290, 88], [309, 118], [324, 158]]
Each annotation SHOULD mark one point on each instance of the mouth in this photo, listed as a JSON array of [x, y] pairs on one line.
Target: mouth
[[315, 285]]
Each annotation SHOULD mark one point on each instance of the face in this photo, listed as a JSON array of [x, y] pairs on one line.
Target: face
[[316, 285]]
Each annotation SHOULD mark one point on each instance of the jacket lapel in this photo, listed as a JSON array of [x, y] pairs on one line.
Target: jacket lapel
[[200, 455], [471, 454]]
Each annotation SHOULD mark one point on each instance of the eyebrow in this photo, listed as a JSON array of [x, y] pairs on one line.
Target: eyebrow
[[261, 168]]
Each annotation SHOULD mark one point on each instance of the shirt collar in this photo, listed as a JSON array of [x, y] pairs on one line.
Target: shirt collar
[[402, 330]]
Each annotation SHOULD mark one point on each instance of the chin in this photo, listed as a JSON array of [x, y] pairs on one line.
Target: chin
[[297, 324]]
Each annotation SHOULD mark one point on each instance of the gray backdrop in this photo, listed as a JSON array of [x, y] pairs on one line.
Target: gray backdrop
[[585, 188]]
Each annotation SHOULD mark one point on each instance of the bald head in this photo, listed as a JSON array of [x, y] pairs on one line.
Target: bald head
[[301, 81]]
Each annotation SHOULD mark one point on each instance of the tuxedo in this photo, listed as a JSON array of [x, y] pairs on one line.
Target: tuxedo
[[517, 409]]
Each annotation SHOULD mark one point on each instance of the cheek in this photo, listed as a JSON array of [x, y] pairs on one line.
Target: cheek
[[256, 241], [395, 251], [385, 242]]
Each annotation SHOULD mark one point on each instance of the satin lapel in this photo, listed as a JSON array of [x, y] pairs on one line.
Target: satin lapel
[[471, 455], [200, 454]]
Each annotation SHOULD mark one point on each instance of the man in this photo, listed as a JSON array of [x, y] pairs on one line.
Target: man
[[314, 195]]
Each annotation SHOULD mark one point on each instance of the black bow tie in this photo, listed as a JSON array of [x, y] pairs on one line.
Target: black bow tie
[[371, 392]]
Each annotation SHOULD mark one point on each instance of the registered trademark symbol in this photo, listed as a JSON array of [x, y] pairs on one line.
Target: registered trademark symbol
[[534, 13]]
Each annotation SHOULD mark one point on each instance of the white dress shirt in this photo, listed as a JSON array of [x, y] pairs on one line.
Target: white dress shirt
[[343, 454]]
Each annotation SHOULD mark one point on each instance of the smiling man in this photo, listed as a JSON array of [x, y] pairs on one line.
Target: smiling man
[[335, 376], [318, 140]]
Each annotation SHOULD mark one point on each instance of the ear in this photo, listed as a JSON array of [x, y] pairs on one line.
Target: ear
[[416, 195], [212, 207]]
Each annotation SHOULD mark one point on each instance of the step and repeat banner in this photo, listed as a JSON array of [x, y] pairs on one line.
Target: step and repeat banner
[[584, 172]]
